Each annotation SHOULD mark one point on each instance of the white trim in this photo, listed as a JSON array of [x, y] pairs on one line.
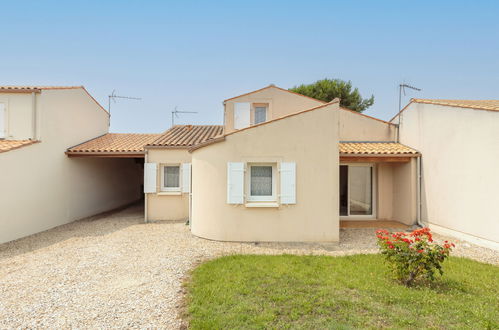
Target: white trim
[[374, 193], [273, 197], [169, 193], [465, 237], [162, 184], [261, 205]]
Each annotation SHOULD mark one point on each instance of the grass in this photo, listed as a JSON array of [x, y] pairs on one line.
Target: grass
[[311, 292]]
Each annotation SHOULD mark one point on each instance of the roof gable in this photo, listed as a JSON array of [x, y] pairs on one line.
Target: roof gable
[[487, 105], [276, 88]]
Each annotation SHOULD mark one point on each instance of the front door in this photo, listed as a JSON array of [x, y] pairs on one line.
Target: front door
[[357, 191]]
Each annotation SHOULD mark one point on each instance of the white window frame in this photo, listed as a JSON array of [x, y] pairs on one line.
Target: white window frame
[[171, 189], [374, 193], [259, 105], [271, 198]]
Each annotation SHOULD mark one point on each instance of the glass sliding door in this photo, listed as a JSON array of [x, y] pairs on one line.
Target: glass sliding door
[[356, 191]]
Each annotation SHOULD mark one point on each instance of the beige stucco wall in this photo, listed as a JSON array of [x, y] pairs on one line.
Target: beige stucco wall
[[40, 187], [309, 139], [356, 127], [460, 154], [404, 204], [280, 103], [163, 205]]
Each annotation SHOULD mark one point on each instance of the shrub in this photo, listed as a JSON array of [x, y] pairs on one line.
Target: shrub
[[414, 256]]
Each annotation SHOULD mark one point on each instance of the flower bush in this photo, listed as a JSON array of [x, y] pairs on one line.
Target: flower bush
[[413, 256]]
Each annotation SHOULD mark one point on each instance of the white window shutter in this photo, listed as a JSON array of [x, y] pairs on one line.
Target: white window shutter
[[241, 115], [288, 183], [235, 183], [2, 121], [186, 177], [150, 173]]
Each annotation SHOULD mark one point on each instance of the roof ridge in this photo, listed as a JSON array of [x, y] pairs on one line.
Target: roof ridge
[[277, 87]]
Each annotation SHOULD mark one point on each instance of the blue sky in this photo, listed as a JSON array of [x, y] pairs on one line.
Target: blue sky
[[195, 54]]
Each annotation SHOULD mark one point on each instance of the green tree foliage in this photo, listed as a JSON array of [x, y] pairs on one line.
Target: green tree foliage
[[328, 89]]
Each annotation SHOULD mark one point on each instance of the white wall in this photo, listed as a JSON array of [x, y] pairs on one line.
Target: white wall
[[460, 157], [40, 187]]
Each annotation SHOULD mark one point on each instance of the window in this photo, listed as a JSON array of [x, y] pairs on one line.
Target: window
[[262, 182], [171, 178], [260, 114]]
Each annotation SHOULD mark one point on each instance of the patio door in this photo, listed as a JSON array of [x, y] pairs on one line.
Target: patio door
[[357, 191]]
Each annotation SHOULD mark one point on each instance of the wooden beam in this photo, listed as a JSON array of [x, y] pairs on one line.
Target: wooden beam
[[357, 159], [103, 155]]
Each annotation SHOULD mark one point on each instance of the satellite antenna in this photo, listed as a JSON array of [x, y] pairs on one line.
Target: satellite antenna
[[113, 97], [402, 88], [176, 112]]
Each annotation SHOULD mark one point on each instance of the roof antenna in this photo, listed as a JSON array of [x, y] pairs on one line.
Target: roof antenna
[[176, 112], [113, 97], [402, 88]]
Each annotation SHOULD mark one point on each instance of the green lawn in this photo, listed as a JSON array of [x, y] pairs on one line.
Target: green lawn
[[312, 292]]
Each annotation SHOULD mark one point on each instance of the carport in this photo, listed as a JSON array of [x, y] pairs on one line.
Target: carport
[[123, 152]]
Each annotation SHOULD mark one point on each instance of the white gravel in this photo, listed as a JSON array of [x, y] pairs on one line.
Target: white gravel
[[114, 271]]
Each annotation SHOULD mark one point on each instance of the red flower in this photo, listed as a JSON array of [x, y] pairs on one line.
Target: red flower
[[420, 251]]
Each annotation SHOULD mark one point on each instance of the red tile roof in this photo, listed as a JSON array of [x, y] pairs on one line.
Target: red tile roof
[[185, 136], [375, 148], [114, 143], [7, 145]]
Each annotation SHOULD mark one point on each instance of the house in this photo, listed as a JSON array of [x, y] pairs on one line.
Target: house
[[282, 167], [40, 187], [284, 173], [459, 143]]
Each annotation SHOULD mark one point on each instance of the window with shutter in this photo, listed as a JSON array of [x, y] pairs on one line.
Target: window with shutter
[[260, 114], [262, 182], [170, 177]]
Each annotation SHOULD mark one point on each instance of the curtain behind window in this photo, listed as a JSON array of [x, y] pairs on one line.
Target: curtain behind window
[[261, 180], [172, 176]]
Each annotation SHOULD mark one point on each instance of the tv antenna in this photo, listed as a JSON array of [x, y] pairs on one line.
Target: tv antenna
[[402, 88], [176, 112], [113, 97]]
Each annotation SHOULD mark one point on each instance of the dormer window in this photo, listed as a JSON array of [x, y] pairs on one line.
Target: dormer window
[[260, 114]]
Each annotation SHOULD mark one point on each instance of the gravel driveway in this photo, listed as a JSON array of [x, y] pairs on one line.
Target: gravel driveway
[[115, 271]]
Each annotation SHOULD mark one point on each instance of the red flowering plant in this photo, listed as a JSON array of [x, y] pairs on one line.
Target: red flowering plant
[[413, 256]]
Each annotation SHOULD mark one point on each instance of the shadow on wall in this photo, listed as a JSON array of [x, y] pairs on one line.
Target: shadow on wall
[[98, 225]]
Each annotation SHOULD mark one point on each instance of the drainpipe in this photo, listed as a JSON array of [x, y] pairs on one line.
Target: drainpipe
[[33, 114], [145, 195], [418, 191]]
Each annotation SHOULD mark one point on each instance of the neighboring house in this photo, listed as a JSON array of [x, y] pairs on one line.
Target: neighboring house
[[459, 142], [40, 187]]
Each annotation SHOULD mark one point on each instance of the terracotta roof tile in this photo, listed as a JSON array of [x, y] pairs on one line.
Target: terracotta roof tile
[[7, 145], [375, 148], [9, 88], [492, 105], [185, 136], [116, 143]]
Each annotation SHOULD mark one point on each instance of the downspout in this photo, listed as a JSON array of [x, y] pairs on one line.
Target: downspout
[[33, 114], [418, 191], [145, 195]]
